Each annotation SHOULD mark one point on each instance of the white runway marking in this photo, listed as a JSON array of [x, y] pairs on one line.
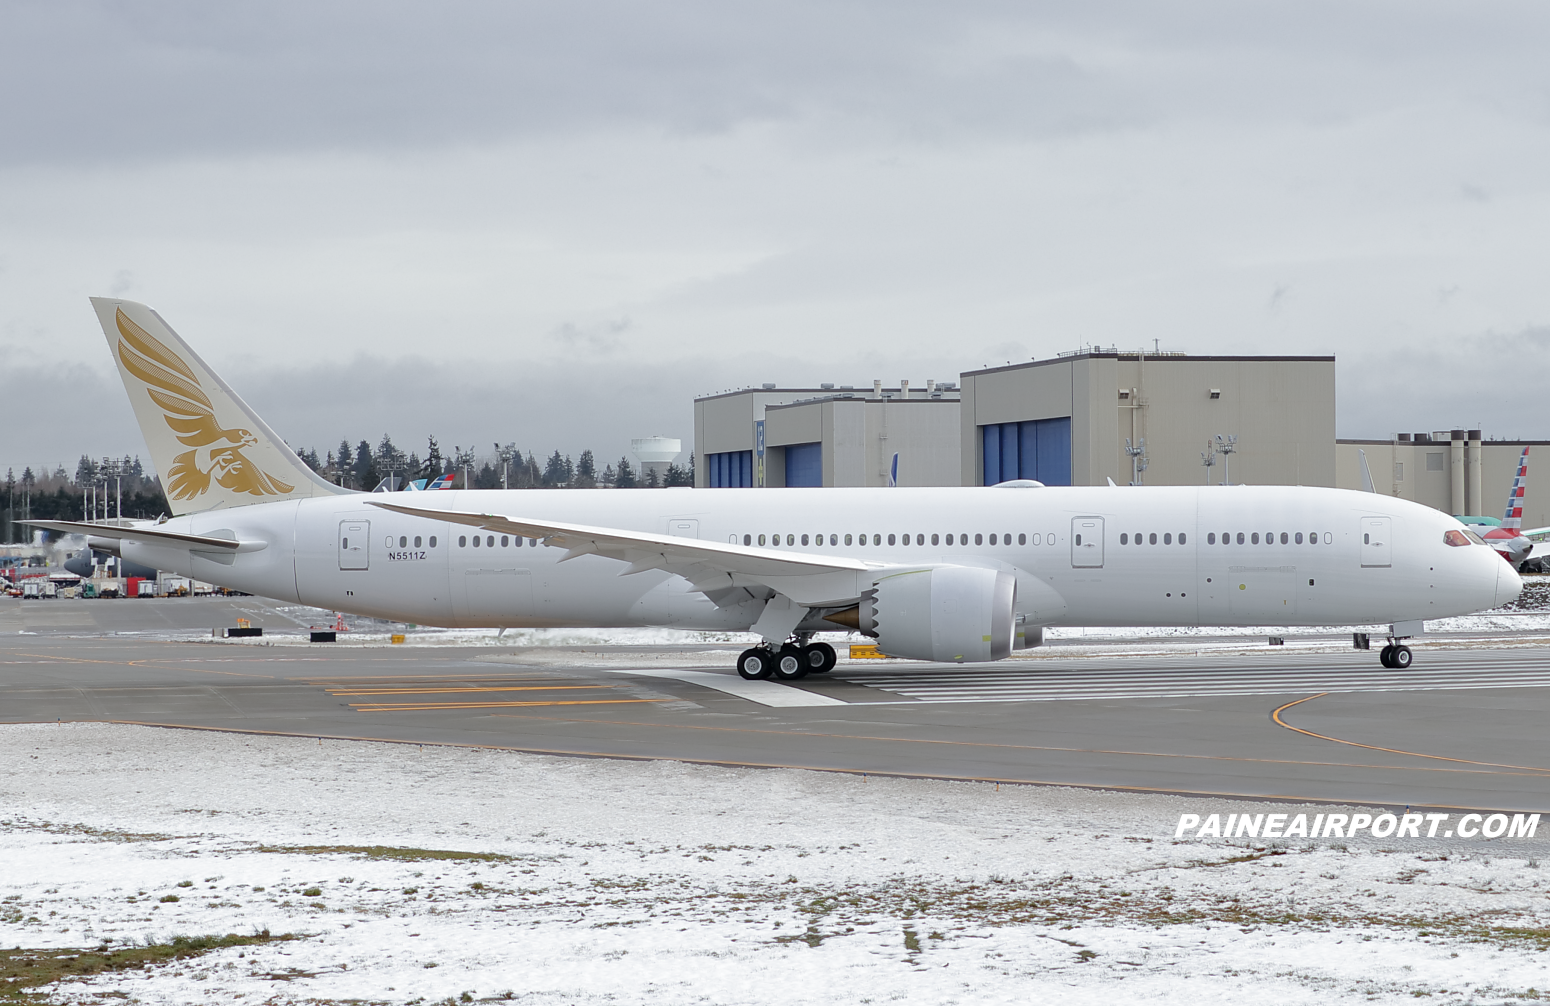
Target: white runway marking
[[997, 684], [766, 693]]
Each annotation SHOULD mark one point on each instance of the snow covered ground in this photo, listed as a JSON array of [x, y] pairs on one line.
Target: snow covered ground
[[573, 881]]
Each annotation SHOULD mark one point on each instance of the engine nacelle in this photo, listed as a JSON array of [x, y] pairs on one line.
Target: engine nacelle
[[950, 613]]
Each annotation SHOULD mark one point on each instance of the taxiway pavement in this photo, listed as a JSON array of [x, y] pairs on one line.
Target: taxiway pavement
[[1462, 728]]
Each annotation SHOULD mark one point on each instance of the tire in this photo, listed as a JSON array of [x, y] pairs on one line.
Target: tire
[[790, 664], [1400, 658], [1386, 656], [820, 658], [755, 664]]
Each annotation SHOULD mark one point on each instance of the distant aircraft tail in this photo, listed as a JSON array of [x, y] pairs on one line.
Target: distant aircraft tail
[[210, 449], [1514, 516]]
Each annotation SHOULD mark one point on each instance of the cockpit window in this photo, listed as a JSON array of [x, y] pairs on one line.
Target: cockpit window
[[1455, 537], [1473, 537]]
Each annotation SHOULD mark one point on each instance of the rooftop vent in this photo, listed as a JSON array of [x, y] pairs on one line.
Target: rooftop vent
[[827, 386], [769, 386], [1216, 392]]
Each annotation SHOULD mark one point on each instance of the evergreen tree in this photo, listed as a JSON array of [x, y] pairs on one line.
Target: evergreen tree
[[556, 471], [344, 464], [676, 476], [653, 480], [691, 470], [609, 476], [626, 477], [365, 468], [586, 470], [85, 471], [434, 464]]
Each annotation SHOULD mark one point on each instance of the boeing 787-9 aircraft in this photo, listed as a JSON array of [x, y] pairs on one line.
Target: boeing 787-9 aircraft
[[945, 574]]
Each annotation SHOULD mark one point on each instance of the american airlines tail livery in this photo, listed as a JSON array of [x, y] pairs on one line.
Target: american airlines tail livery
[[944, 574]]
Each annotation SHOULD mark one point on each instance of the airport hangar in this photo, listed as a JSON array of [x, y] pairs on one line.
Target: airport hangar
[[1069, 421]]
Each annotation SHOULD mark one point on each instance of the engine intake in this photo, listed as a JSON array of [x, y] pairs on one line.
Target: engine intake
[[951, 613]]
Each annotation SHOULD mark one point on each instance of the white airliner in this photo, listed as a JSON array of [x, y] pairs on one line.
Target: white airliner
[[944, 574]]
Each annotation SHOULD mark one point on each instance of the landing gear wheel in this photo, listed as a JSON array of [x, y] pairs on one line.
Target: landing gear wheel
[[820, 658], [1400, 658], [790, 663], [756, 663], [1386, 656]]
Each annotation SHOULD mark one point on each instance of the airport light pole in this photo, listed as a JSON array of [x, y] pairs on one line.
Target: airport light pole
[[1208, 459], [505, 453], [1138, 460], [1226, 447]]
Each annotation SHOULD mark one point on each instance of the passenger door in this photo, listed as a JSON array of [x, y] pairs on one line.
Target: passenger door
[[354, 544], [1087, 542], [1376, 536]]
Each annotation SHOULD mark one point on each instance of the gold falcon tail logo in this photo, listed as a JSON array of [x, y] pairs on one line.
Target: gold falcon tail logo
[[216, 453]]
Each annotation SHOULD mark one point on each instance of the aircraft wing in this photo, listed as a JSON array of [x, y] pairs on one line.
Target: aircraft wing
[[724, 572]]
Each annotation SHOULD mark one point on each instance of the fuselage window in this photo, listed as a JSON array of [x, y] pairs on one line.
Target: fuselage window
[[936, 539], [1211, 538], [1240, 537], [949, 539], [1181, 541], [1254, 538], [462, 541], [505, 541], [1022, 539], [1139, 538], [1168, 539], [992, 539], [761, 539], [804, 539], [1298, 539], [1079, 539], [847, 539], [1006, 539], [920, 539], [1151, 539], [416, 541], [747, 539], [1313, 537], [1283, 537], [476, 541], [1328, 538], [1366, 539], [433, 541], [791, 539], [979, 539], [834, 539], [877, 539], [1124, 539], [489, 540], [890, 539]]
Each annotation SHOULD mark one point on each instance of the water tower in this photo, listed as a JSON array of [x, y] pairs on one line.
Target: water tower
[[655, 454]]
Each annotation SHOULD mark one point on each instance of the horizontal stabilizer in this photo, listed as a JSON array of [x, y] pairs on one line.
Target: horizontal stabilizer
[[151, 536]]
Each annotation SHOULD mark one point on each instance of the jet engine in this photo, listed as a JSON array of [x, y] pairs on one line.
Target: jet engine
[[949, 613]]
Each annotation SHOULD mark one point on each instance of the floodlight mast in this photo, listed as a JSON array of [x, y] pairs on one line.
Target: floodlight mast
[[505, 454], [1226, 447], [1138, 461]]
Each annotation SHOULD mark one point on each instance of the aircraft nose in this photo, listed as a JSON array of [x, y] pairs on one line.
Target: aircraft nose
[[1508, 585]]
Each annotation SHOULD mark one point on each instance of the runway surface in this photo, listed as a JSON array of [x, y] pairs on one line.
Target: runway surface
[[1461, 728]]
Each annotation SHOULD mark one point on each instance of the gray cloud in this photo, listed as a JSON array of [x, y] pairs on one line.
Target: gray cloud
[[101, 81]]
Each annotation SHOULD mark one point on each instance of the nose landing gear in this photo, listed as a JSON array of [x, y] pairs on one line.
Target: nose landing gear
[[1396, 656]]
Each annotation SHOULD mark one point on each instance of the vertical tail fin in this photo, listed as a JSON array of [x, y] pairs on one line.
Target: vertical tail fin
[[1514, 516], [209, 448]]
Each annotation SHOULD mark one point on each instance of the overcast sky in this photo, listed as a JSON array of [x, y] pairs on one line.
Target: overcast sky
[[556, 223]]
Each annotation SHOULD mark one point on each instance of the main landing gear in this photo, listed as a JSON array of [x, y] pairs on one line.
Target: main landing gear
[[789, 663]]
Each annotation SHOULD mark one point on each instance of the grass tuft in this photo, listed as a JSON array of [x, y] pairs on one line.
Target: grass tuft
[[24, 972]]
